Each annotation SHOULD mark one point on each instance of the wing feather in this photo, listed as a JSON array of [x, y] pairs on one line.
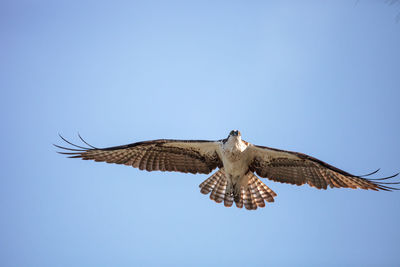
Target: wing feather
[[297, 168], [193, 156]]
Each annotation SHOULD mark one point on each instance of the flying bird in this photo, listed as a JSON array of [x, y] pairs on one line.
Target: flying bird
[[238, 162]]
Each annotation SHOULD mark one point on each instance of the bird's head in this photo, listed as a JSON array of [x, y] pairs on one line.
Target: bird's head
[[234, 133]]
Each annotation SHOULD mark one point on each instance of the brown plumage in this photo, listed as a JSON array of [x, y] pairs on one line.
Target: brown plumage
[[309, 170], [238, 162]]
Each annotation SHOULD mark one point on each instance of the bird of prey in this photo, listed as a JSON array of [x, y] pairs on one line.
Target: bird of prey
[[237, 161]]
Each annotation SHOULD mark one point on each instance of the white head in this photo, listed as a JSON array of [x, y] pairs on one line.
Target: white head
[[235, 134]]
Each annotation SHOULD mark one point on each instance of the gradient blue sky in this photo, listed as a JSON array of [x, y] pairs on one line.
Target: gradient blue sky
[[320, 77]]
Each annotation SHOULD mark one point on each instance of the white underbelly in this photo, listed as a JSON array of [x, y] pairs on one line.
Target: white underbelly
[[235, 168], [235, 161]]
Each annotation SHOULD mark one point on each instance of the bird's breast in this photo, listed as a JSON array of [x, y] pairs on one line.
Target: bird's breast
[[235, 159]]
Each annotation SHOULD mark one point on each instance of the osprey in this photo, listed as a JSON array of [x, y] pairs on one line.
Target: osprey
[[238, 162]]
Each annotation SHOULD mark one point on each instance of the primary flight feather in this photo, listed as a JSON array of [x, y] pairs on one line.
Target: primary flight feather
[[238, 162]]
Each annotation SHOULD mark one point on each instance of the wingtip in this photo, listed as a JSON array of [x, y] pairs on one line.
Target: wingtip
[[84, 141], [369, 174], [74, 145], [384, 178]]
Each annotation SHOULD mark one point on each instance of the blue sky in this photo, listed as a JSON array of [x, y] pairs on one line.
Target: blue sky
[[317, 77]]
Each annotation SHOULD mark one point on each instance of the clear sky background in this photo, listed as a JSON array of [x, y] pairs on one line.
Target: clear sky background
[[320, 77]]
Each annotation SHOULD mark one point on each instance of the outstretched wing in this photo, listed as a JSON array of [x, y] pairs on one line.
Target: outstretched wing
[[157, 155], [297, 168]]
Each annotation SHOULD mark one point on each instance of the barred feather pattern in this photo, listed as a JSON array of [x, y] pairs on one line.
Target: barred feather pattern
[[216, 184], [187, 156], [251, 197], [313, 172], [256, 193]]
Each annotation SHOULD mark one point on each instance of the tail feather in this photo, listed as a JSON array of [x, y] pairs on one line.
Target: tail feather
[[228, 201], [252, 196], [210, 183], [266, 193], [218, 193], [248, 201], [239, 202], [255, 193], [216, 184], [259, 200]]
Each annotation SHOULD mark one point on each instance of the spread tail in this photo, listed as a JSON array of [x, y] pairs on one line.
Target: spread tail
[[256, 192], [251, 197], [216, 184]]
